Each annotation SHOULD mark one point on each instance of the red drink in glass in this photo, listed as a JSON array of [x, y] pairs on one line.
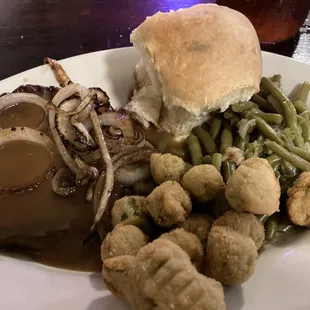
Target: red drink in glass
[[274, 20]]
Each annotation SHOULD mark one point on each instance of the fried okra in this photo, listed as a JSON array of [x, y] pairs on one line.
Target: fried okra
[[188, 242], [165, 167], [123, 240], [254, 188], [204, 182], [244, 223], [298, 203], [129, 211], [161, 276], [168, 204], [231, 256]]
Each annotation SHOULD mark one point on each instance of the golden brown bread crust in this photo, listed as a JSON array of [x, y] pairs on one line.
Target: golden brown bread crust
[[206, 57]]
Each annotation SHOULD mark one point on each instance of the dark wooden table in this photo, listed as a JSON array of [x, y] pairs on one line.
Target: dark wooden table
[[33, 29]]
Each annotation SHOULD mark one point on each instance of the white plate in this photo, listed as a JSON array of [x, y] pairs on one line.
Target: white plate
[[281, 280]]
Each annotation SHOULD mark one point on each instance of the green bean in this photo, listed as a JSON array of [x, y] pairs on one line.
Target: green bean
[[305, 115], [287, 135], [206, 140], [263, 103], [271, 227], [243, 106], [305, 128], [288, 169], [251, 146], [206, 126], [298, 151], [285, 226], [260, 139], [277, 106], [217, 161], [304, 92], [277, 173], [273, 90], [300, 106], [215, 129], [256, 148], [273, 160], [263, 93], [270, 118], [207, 160], [228, 114], [240, 143], [262, 218], [290, 117], [277, 78], [290, 114], [267, 152], [266, 129], [194, 150], [234, 120], [286, 182], [249, 154], [228, 168], [292, 158], [226, 139], [176, 151]]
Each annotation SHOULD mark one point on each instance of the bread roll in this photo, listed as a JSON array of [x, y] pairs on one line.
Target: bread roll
[[193, 61]]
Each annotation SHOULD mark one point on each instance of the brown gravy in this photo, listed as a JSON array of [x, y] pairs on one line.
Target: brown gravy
[[22, 162], [47, 228], [65, 221], [27, 115]]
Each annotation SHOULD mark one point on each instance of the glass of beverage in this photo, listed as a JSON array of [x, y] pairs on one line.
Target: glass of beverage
[[274, 20]]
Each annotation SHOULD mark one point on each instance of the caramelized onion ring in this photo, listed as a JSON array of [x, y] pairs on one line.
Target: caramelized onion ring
[[121, 121], [68, 92], [79, 108], [67, 126], [31, 135], [124, 158], [64, 127], [128, 175], [107, 172], [115, 147], [63, 94]]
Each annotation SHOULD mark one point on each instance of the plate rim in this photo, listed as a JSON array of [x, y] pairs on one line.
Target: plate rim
[[132, 48], [96, 54]]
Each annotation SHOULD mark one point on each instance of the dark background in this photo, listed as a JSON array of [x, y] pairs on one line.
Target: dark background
[[33, 29]]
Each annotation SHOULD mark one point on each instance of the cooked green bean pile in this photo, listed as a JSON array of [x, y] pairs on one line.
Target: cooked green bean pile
[[270, 126]]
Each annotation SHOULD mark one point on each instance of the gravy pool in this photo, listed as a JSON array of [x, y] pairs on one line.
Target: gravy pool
[[45, 227]]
